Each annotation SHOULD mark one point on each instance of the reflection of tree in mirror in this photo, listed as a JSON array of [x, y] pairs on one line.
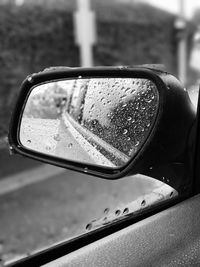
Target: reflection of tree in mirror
[[48, 103]]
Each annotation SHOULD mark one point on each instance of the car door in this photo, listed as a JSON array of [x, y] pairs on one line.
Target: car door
[[151, 230]]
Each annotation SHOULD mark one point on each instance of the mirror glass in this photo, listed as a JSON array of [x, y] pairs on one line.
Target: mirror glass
[[98, 121]]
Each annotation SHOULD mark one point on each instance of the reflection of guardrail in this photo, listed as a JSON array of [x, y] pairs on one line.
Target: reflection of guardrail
[[93, 153], [92, 137]]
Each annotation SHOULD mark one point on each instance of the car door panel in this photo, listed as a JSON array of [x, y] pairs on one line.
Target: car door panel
[[169, 238]]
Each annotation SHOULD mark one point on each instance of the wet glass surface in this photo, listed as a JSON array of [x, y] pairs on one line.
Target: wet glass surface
[[100, 121]]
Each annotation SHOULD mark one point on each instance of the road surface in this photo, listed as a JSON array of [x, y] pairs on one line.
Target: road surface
[[56, 138]]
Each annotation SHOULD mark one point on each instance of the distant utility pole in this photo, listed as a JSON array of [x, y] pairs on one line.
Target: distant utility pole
[[85, 31], [180, 25]]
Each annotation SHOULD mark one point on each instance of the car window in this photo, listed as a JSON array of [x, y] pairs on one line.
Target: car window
[[41, 204]]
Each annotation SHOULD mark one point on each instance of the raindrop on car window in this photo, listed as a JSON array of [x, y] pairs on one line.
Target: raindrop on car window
[[106, 210], [126, 211], [85, 169], [89, 226], [117, 212]]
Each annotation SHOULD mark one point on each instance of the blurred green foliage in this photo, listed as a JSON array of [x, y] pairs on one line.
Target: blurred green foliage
[[35, 37]]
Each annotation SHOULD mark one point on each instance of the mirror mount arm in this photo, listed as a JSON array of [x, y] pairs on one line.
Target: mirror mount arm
[[171, 174]]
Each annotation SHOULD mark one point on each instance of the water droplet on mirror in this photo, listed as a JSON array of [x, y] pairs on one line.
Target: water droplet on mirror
[[70, 145], [125, 131], [56, 137], [28, 141], [48, 147], [127, 89], [137, 143]]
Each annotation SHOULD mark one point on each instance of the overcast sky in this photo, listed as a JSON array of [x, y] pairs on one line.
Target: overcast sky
[[174, 5]]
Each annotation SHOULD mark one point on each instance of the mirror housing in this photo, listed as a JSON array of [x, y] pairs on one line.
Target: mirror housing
[[163, 155]]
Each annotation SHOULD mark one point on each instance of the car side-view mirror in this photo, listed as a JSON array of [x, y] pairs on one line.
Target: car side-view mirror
[[99, 121], [108, 122]]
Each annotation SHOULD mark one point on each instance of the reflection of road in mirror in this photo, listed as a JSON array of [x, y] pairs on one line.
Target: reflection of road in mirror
[[40, 134], [54, 137], [74, 146]]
